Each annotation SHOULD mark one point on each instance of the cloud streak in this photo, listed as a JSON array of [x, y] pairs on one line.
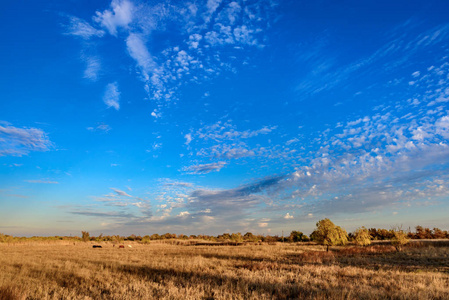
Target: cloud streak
[[16, 141], [205, 168]]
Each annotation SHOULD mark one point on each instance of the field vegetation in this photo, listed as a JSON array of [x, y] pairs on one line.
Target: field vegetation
[[229, 266]]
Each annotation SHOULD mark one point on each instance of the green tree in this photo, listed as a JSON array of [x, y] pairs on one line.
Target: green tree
[[85, 236], [297, 236], [249, 237], [362, 237], [328, 234]]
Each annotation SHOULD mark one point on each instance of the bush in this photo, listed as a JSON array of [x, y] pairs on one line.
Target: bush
[[85, 236], [400, 239]]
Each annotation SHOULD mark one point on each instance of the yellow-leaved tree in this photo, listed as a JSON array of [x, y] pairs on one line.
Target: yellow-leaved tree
[[326, 233]]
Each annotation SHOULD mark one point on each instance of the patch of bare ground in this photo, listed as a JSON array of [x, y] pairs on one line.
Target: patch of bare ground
[[171, 271]]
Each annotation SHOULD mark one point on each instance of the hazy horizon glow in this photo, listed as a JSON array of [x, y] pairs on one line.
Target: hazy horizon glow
[[215, 116]]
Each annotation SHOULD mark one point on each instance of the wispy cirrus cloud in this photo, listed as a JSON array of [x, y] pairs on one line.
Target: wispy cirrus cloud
[[101, 128], [102, 214], [205, 168], [42, 181], [93, 67], [121, 193], [80, 28], [399, 48], [16, 141]]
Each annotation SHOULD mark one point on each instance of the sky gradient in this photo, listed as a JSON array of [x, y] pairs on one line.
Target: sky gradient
[[215, 116]]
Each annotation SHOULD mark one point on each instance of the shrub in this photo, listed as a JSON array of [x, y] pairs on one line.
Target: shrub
[[400, 239], [85, 236]]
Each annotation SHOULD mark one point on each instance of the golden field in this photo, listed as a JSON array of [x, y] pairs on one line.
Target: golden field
[[176, 270]]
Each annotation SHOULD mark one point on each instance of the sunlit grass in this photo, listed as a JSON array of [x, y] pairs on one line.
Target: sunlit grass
[[64, 270]]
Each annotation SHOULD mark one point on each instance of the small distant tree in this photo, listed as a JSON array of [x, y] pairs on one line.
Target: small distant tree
[[399, 239], [362, 237], [298, 236], [155, 236], [237, 237], [328, 234], [249, 237], [85, 236]]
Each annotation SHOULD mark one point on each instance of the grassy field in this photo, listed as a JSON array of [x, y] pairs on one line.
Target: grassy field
[[64, 270]]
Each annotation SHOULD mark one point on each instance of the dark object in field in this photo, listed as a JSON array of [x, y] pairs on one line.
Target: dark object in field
[[96, 246], [121, 246]]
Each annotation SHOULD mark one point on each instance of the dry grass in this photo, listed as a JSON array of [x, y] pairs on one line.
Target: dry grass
[[62, 270]]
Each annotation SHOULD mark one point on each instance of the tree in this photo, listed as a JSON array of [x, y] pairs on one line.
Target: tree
[[362, 237], [438, 233], [328, 234], [297, 236], [399, 239], [85, 236]]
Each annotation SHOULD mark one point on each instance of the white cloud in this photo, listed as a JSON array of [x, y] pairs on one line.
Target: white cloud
[[121, 193], [81, 28], [183, 214], [93, 68], [288, 216], [16, 141], [188, 138], [200, 25], [42, 181], [205, 168], [120, 15], [226, 131], [111, 96], [139, 52], [101, 127]]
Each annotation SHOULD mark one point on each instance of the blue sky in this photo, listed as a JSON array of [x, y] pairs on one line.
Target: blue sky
[[215, 116]]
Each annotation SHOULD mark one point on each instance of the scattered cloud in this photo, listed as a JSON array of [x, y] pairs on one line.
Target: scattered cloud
[[205, 168], [288, 216], [183, 214], [111, 214], [118, 16], [42, 181], [111, 96], [194, 50], [101, 127], [16, 141], [93, 67], [79, 27], [188, 138], [121, 193]]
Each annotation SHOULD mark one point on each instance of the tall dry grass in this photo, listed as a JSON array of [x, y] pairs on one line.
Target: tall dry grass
[[169, 271]]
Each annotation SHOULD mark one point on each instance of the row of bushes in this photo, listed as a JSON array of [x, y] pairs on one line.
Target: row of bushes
[[295, 236]]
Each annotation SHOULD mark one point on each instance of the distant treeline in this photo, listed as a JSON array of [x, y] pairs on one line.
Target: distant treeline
[[295, 236]]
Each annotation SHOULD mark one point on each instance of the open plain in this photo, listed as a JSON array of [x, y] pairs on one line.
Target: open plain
[[177, 270]]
